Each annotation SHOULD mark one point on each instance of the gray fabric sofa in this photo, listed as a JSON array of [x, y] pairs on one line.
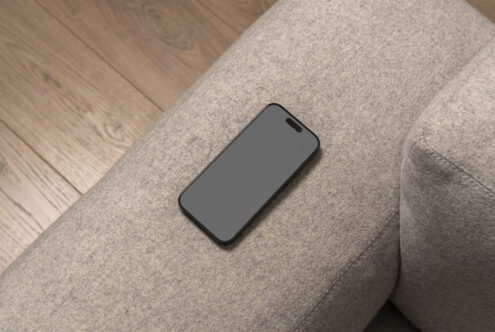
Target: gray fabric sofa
[[398, 204]]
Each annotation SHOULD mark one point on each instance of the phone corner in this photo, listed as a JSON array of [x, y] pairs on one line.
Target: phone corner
[[180, 202], [317, 147], [275, 104], [224, 242], [215, 238]]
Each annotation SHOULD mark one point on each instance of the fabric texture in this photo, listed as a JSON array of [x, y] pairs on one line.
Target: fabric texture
[[448, 207], [324, 254], [389, 319]]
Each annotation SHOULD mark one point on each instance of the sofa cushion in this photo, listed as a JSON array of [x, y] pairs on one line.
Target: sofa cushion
[[447, 280], [324, 255]]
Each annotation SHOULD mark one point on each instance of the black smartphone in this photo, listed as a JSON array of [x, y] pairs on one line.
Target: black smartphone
[[228, 194]]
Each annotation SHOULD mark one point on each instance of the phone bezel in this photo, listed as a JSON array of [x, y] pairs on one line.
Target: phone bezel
[[250, 220]]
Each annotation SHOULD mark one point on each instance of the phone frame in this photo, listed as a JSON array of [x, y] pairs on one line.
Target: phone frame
[[269, 200]]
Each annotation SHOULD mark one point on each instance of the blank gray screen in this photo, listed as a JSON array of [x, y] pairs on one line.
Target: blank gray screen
[[248, 173]]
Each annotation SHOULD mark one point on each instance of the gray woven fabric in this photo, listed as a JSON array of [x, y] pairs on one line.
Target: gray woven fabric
[[447, 278], [325, 254], [389, 319]]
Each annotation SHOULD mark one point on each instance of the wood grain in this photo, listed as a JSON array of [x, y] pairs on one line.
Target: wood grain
[[32, 196], [71, 112], [486, 7], [64, 101], [237, 14], [162, 47]]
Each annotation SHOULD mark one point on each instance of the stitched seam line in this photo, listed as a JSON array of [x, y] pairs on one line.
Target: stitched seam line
[[343, 275], [453, 165]]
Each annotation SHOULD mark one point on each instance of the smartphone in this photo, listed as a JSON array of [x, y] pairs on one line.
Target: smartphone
[[228, 194]]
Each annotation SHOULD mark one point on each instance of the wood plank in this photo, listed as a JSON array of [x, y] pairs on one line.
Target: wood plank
[[32, 196], [162, 47], [486, 7], [64, 101], [238, 14]]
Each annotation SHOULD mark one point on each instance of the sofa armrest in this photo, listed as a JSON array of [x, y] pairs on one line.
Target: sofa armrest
[[448, 207], [324, 255]]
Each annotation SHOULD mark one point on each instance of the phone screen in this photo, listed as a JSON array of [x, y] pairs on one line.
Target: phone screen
[[239, 182]]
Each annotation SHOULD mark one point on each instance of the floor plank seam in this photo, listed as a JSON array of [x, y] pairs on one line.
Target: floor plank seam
[[99, 56], [41, 157]]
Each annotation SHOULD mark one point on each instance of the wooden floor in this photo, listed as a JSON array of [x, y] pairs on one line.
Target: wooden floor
[[486, 7], [80, 80]]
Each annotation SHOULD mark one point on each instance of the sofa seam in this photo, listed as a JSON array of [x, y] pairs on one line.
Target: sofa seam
[[474, 180], [335, 285]]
